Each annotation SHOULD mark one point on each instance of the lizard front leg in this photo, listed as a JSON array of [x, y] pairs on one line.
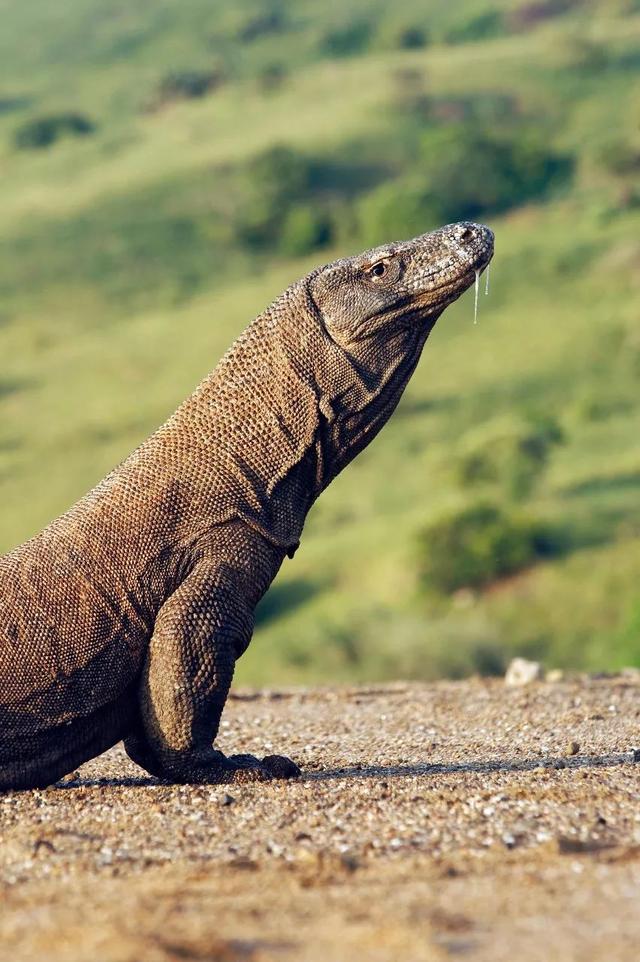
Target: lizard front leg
[[199, 633]]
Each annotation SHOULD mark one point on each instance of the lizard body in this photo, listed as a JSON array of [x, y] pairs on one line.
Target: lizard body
[[124, 617]]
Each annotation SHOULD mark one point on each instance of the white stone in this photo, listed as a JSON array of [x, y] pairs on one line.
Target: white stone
[[523, 672]]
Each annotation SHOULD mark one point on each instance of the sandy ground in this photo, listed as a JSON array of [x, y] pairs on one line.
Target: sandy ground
[[440, 821]]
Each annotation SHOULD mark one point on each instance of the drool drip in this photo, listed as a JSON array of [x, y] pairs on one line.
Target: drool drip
[[475, 302], [486, 281]]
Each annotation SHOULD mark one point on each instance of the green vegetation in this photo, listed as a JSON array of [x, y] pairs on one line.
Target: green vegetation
[[444, 186], [473, 547], [44, 131], [510, 452], [234, 148], [187, 85]]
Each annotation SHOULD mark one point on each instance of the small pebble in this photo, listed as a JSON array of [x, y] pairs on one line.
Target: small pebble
[[554, 676], [573, 748]]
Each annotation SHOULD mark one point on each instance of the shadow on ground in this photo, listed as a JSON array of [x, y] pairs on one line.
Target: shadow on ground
[[400, 771], [491, 765]]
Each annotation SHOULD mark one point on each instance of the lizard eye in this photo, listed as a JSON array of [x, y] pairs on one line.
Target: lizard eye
[[385, 271]]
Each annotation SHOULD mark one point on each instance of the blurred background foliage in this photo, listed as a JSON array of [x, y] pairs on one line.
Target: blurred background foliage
[[167, 168]]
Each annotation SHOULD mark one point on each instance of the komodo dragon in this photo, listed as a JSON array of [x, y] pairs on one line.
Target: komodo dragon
[[124, 618]]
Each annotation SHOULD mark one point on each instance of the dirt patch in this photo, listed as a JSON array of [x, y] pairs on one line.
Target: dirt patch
[[433, 821]]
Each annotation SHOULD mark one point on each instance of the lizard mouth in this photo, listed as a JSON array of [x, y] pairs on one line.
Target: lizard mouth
[[438, 298]]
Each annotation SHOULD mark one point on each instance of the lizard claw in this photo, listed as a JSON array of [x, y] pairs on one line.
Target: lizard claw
[[250, 768], [279, 766], [246, 776], [243, 761]]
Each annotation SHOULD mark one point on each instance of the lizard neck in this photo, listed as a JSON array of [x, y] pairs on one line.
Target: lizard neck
[[359, 387], [242, 443], [284, 411]]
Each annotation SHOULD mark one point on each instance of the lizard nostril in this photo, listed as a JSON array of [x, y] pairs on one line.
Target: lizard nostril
[[465, 235]]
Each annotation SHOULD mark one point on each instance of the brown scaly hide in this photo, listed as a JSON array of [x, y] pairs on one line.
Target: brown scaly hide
[[124, 618]]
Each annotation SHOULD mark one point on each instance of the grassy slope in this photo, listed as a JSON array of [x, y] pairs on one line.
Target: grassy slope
[[104, 326]]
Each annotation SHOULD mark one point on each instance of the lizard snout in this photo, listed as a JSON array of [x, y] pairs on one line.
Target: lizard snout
[[474, 238]]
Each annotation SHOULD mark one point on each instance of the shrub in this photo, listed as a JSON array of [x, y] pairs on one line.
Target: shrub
[[187, 85], [8, 104], [412, 37], [273, 182], [45, 131], [305, 228], [402, 36], [470, 172], [511, 452], [280, 172], [261, 25], [597, 405], [472, 546], [478, 27], [586, 55], [257, 220], [348, 40], [462, 174]]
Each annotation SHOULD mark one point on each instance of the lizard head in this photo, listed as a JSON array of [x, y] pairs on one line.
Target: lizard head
[[400, 286], [374, 313]]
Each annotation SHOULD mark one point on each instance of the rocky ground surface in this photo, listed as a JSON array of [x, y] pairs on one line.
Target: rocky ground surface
[[470, 820]]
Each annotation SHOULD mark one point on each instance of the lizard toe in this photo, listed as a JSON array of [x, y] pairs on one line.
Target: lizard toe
[[248, 776], [243, 761], [279, 766]]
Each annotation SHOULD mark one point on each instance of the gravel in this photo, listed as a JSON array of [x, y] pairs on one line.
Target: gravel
[[432, 821]]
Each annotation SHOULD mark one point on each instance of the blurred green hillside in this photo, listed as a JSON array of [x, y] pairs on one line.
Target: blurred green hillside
[[167, 168]]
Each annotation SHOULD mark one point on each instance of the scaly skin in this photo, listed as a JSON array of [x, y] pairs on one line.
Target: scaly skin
[[124, 618]]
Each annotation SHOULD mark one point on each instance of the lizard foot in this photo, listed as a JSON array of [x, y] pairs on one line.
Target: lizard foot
[[212, 767], [237, 770]]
